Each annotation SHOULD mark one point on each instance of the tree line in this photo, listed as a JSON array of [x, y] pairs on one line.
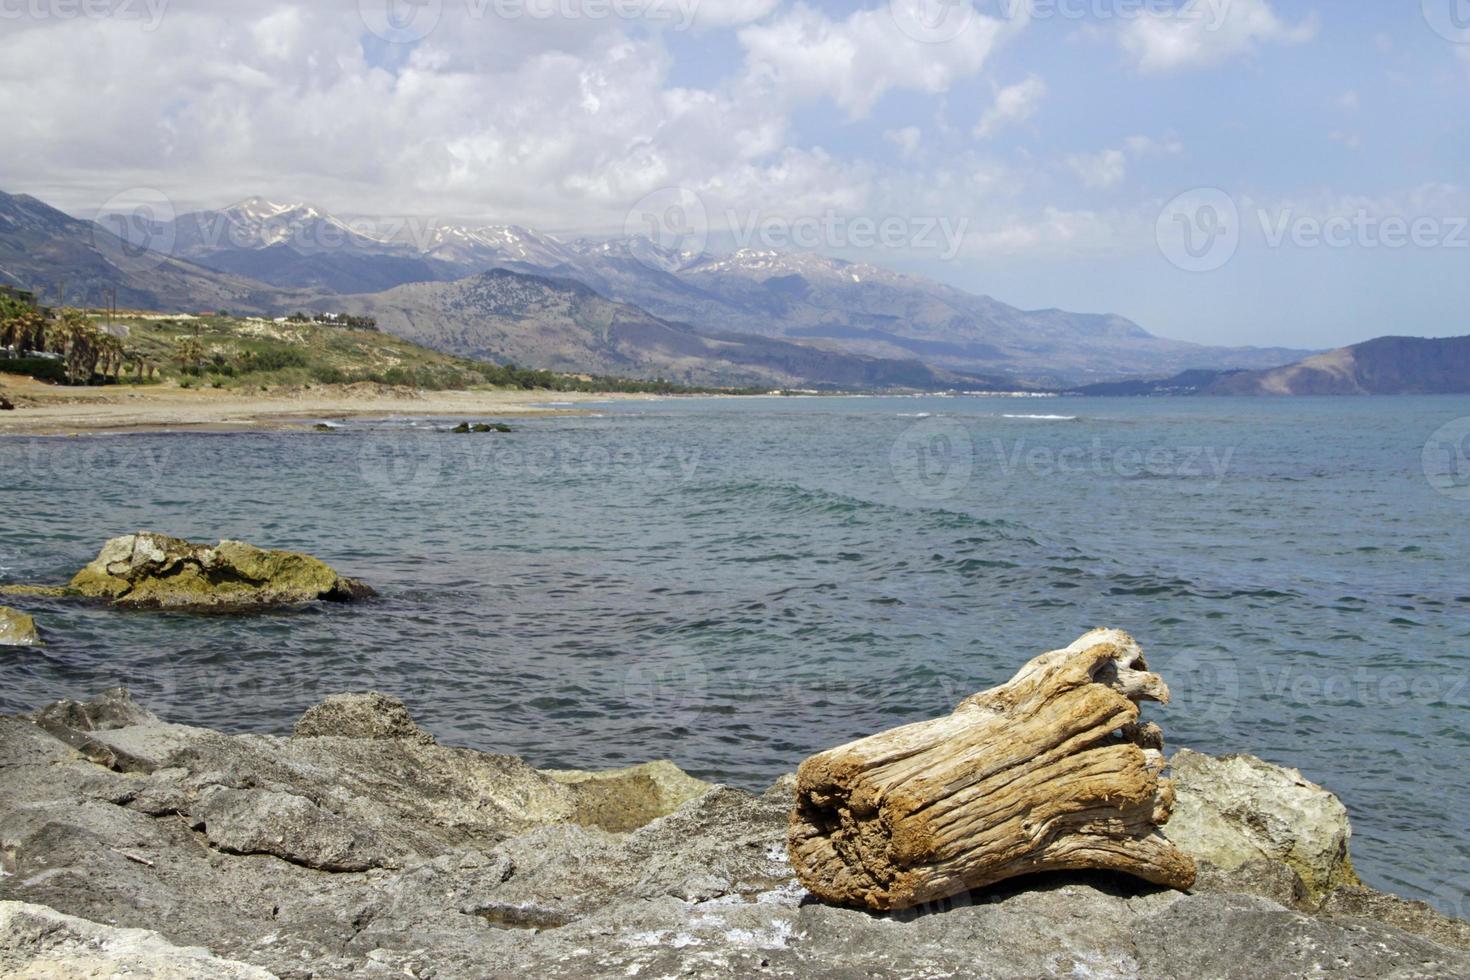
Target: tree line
[[84, 351]]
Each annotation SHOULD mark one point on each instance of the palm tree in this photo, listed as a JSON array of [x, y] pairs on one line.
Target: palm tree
[[189, 352], [80, 346], [112, 356]]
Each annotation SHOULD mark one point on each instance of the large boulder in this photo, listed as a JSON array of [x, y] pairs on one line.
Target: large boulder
[[17, 629], [1247, 817], [156, 571]]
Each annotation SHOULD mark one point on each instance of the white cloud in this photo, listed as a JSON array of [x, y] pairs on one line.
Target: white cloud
[[484, 118], [806, 56], [906, 139], [726, 13], [1206, 33], [1013, 104], [1100, 171], [1142, 146]]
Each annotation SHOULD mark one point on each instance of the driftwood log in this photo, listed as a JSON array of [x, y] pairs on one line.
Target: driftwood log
[[1051, 771]]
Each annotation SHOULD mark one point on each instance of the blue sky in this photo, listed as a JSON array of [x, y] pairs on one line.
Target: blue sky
[[1065, 147]]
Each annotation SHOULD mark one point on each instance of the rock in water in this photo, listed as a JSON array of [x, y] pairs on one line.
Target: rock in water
[[156, 571], [17, 629], [1049, 772]]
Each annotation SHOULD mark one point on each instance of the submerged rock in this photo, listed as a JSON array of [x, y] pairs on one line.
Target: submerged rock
[[156, 571], [358, 847], [17, 629]]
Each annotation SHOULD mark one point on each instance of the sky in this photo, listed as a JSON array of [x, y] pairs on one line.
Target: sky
[[1266, 172]]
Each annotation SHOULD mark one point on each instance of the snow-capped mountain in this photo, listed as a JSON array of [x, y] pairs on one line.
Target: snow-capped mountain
[[489, 245], [857, 307], [257, 223]]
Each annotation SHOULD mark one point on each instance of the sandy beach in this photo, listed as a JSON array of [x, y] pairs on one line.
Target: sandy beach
[[44, 409]]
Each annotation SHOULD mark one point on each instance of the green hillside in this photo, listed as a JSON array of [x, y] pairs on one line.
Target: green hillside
[[255, 353]]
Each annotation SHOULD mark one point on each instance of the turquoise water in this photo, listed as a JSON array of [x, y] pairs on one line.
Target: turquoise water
[[737, 583]]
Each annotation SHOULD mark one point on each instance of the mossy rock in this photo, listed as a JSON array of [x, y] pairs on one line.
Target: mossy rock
[[157, 571], [17, 629]]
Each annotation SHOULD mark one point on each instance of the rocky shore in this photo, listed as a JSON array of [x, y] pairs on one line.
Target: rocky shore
[[358, 846]]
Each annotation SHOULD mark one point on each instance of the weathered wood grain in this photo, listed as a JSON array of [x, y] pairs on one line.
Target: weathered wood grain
[[1050, 771]]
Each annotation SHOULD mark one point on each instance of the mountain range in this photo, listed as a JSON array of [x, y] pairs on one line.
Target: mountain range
[[1384, 366], [618, 305]]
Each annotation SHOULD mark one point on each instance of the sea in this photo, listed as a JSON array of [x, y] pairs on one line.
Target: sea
[[734, 584]]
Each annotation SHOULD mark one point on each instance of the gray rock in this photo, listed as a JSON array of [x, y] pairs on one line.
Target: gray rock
[[1238, 812], [347, 853], [39, 942], [112, 709], [370, 715], [248, 821], [17, 629]]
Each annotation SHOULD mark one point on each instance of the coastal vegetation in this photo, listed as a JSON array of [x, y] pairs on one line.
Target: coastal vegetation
[[78, 347]]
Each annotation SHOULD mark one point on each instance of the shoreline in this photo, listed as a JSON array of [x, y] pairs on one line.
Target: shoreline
[[357, 843], [49, 410]]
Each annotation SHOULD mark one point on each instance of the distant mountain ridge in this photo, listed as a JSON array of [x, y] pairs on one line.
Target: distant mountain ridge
[[562, 325], [261, 256], [1384, 366], [856, 307], [66, 260]]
